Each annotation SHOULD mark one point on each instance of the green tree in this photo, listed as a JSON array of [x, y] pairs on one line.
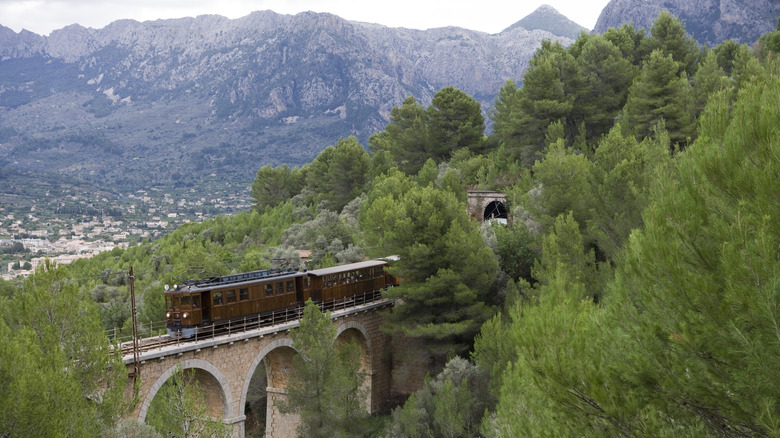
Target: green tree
[[55, 361], [630, 41], [450, 405], [709, 78], [669, 36], [562, 185], [275, 185], [727, 53], [696, 293], [546, 390], [505, 104], [447, 268], [325, 387], [338, 174], [659, 93], [406, 137], [621, 175], [683, 342], [179, 409], [456, 122], [517, 249], [546, 97], [769, 43], [605, 75]]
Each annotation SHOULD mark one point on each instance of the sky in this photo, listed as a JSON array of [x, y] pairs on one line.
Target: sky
[[491, 16]]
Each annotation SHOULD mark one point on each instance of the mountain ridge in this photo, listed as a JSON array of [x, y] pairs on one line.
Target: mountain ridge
[[222, 96], [710, 22]]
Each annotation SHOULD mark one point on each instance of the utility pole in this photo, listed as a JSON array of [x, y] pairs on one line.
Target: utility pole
[[136, 353]]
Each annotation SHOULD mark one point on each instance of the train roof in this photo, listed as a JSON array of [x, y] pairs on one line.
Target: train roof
[[235, 280], [347, 268]]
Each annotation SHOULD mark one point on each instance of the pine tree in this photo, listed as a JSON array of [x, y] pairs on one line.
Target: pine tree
[[605, 78], [406, 137], [620, 177], [448, 271], [697, 292], [669, 36], [659, 93], [57, 376], [325, 387], [562, 179], [455, 122], [545, 98]]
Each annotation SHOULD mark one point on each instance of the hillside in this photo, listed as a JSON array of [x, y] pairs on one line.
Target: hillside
[[171, 102], [710, 22]]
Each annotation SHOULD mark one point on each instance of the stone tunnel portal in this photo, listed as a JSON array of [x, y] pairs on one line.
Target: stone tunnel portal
[[496, 210]]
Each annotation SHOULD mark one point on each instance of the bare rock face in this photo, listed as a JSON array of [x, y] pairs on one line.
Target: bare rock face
[[279, 63], [20, 45], [710, 22], [211, 95]]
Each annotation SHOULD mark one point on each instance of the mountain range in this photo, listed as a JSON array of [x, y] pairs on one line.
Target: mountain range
[[173, 101], [204, 102]]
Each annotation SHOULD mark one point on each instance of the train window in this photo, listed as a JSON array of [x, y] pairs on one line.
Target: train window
[[217, 298], [230, 296], [279, 288], [175, 301], [290, 286], [196, 300], [269, 289], [243, 294], [168, 303], [307, 282], [185, 300]]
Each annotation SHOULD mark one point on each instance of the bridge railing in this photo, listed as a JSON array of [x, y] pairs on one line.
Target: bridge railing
[[153, 342], [145, 330]]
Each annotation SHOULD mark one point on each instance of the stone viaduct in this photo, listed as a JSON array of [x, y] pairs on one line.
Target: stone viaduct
[[224, 367]]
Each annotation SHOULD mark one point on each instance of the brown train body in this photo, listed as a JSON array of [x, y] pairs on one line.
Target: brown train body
[[199, 303]]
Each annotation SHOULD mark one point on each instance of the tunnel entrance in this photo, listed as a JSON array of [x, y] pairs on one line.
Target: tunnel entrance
[[496, 211]]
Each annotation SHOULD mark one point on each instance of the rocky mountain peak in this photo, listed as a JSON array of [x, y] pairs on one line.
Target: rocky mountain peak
[[230, 95], [547, 18]]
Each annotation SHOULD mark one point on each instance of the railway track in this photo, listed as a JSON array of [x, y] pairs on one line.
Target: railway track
[[222, 328]]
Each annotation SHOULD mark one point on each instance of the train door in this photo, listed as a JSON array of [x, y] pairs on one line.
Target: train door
[[205, 301], [299, 285]]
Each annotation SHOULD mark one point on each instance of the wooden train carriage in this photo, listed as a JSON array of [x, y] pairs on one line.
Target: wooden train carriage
[[216, 299], [339, 282]]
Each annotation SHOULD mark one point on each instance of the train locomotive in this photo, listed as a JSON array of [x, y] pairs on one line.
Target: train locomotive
[[197, 304]]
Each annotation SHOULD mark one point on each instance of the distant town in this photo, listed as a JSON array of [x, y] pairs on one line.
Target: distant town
[[30, 235]]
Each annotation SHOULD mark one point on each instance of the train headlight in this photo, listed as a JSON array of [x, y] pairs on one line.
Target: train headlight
[[185, 315], [168, 315]]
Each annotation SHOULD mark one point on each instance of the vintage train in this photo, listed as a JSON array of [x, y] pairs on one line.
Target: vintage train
[[196, 304]]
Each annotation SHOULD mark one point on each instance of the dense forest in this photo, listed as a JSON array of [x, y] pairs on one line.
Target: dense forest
[[635, 291]]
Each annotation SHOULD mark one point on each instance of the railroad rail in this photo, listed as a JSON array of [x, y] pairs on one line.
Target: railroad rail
[[223, 328]]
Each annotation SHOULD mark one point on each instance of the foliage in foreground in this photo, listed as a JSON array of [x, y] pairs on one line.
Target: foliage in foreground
[[326, 385], [57, 375], [683, 341]]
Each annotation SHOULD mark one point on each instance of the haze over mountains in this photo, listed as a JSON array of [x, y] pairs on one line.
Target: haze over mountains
[[221, 96], [176, 102]]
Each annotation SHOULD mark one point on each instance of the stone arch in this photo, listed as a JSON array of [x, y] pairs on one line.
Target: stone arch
[[279, 343], [495, 210], [355, 331], [213, 381], [276, 357], [347, 332]]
